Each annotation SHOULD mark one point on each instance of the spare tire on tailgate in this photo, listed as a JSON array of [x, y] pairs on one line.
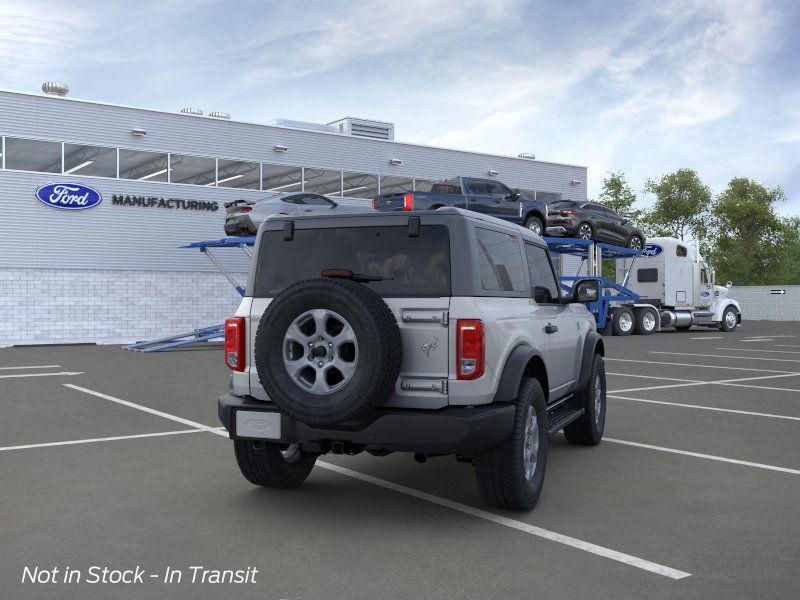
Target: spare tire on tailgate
[[327, 351]]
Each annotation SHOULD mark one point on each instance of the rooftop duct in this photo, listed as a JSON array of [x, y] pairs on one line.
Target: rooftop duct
[[376, 130], [303, 125], [51, 88], [219, 115], [527, 155], [192, 111]]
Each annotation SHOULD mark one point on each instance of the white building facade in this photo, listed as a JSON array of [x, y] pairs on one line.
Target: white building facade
[[115, 272]]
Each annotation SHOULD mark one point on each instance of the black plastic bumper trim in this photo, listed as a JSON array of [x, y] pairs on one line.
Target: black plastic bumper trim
[[452, 430]]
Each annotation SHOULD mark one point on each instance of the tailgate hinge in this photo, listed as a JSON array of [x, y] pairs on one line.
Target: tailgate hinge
[[445, 387], [445, 318]]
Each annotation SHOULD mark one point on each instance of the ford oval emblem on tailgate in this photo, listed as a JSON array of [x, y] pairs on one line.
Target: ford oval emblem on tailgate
[[68, 196]]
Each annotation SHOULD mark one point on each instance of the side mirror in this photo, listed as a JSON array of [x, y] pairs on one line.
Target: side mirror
[[566, 297], [729, 285], [511, 196], [334, 204], [586, 290]]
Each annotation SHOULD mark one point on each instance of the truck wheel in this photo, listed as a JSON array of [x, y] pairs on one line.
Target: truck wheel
[[645, 323], [535, 225], [327, 351], [729, 320], [622, 322], [635, 243], [587, 430], [510, 476], [273, 465]]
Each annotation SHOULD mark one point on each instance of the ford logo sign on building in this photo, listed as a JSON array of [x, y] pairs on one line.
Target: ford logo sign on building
[[68, 196], [652, 250]]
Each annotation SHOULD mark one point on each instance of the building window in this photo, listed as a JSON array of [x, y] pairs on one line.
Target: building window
[[144, 166], [359, 185], [194, 170], [423, 185], [396, 185], [33, 155], [237, 174], [321, 181], [97, 161], [280, 178], [499, 261]]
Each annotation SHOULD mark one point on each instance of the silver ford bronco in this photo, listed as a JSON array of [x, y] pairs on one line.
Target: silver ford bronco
[[433, 332]]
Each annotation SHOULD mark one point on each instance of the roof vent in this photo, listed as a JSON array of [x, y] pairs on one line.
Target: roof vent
[[192, 111], [51, 88], [303, 125], [527, 155], [219, 115], [376, 130]]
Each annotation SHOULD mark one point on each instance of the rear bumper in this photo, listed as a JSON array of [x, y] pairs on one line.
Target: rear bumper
[[453, 430]]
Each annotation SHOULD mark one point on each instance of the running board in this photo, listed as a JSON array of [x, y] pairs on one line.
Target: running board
[[561, 416]]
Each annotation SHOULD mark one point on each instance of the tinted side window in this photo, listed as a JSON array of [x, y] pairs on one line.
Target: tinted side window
[[308, 199], [495, 188], [681, 251], [499, 261], [647, 275], [543, 281], [476, 186]]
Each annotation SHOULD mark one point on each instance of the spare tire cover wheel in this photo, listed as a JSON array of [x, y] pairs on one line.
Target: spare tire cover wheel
[[328, 350]]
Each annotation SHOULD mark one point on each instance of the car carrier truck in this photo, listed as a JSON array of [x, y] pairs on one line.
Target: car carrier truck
[[672, 277]]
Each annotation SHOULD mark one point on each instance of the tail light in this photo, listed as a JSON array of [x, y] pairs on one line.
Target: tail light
[[234, 344], [373, 202], [469, 349], [408, 201], [246, 209], [567, 213]]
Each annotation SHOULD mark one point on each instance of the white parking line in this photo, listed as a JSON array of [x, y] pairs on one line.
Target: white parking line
[[724, 356], [787, 346], [519, 525], [654, 377], [706, 456], [105, 439], [717, 382], [31, 367], [513, 524], [758, 350], [64, 373], [674, 364], [758, 340], [701, 407], [708, 337], [147, 409]]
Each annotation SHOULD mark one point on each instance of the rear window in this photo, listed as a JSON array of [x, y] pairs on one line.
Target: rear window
[[446, 186], [410, 266]]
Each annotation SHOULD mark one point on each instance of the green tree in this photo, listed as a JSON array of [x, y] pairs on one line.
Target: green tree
[[680, 207], [749, 243], [618, 195]]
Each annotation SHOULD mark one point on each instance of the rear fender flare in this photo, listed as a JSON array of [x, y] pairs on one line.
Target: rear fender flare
[[514, 370], [593, 344]]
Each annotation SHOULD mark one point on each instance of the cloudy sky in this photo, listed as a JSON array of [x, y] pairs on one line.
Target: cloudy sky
[[641, 87]]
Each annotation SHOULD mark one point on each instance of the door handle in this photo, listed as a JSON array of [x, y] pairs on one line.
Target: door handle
[[550, 328]]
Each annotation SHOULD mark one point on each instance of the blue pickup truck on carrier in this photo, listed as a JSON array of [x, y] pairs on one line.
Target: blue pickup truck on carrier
[[486, 196]]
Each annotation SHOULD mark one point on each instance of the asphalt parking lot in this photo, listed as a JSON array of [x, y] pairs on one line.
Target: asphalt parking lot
[[115, 458]]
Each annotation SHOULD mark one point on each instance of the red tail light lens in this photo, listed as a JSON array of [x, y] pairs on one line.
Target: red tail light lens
[[373, 203], [469, 349], [234, 344], [408, 201], [246, 209]]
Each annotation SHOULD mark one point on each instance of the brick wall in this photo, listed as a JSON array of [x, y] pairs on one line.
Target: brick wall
[[759, 304], [47, 306]]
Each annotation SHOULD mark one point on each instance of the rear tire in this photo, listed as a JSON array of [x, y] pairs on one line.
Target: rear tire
[[588, 429], [622, 322], [506, 478], [645, 321], [270, 465], [535, 225], [635, 243]]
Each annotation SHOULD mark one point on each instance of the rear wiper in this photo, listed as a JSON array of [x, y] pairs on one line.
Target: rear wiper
[[348, 274]]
